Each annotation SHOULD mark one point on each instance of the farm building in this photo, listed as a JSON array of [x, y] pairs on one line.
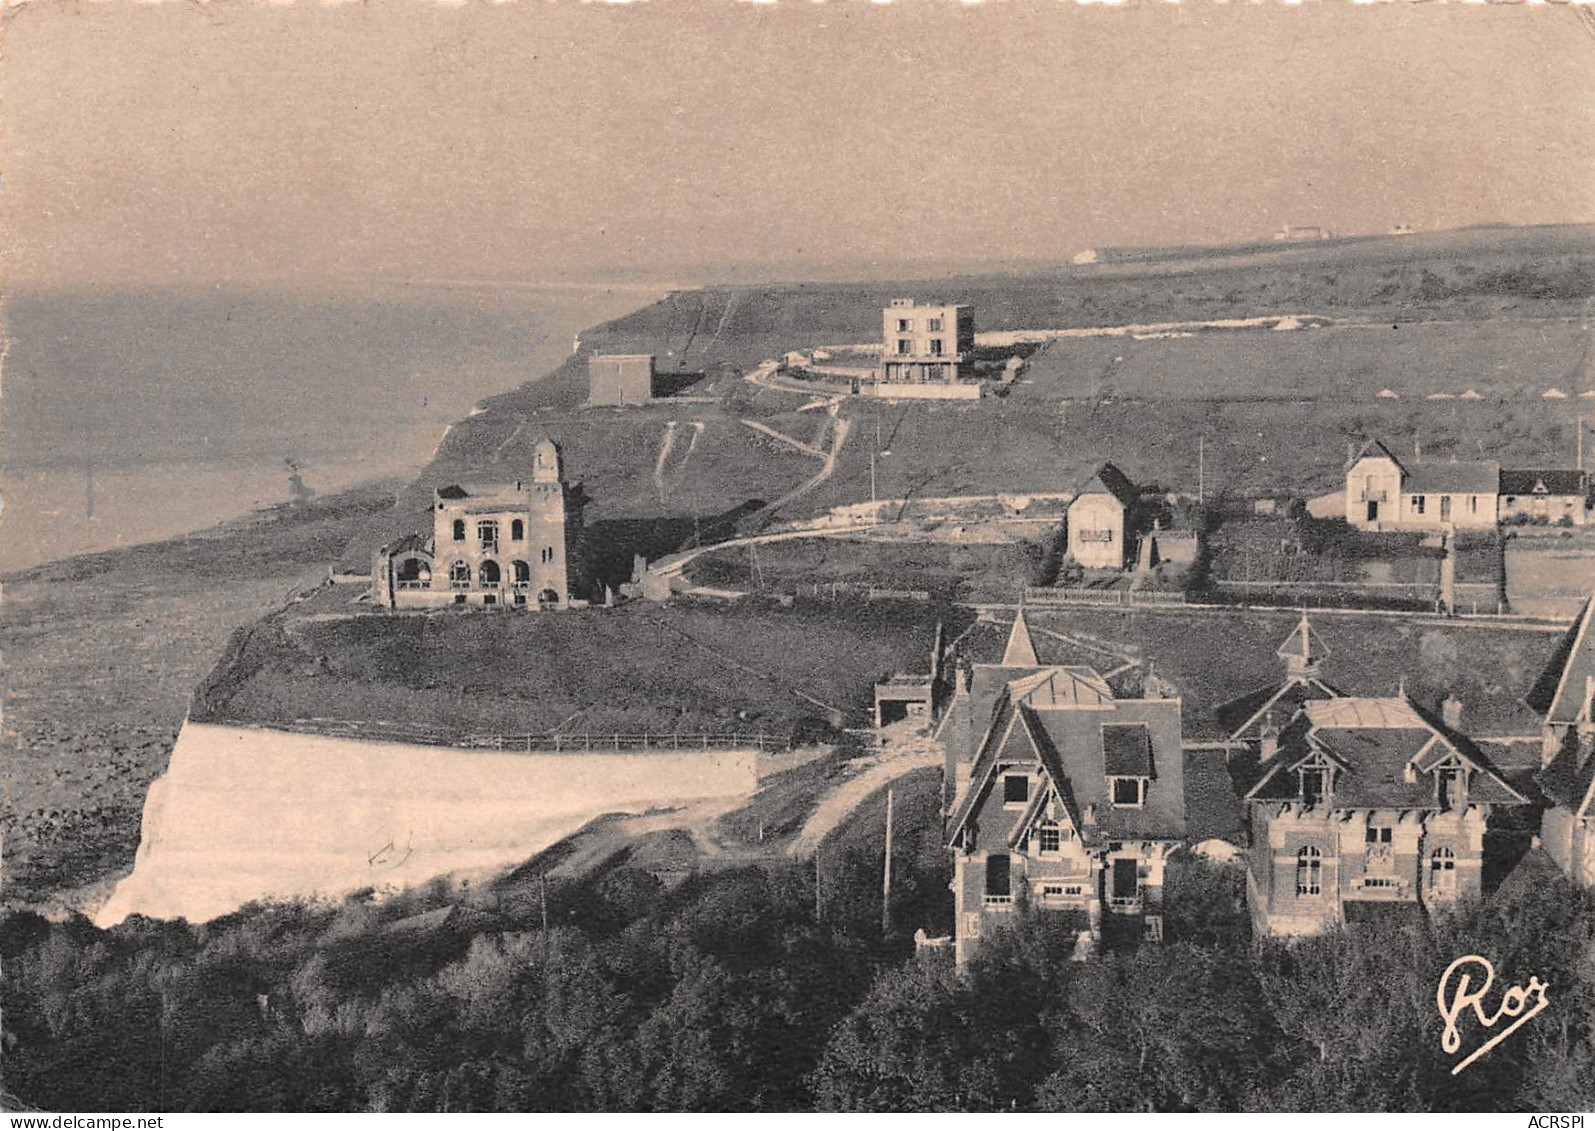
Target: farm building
[[1548, 495], [516, 544], [1383, 493], [1102, 520], [621, 379]]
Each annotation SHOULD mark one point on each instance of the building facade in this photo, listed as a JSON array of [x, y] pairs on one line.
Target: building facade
[[927, 343], [621, 379], [1550, 495], [1565, 694], [1064, 798], [1383, 494], [1101, 520], [1364, 806], [511, 544]]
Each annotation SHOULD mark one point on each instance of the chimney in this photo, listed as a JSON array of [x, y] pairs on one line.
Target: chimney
[[1451, 712]]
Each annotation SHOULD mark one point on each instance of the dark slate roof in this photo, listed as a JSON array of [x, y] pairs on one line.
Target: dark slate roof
[[1284, 700], [1483, 478], [1531, 873], [1377, 449], [1212, 806], [1110, 480], [1374, 741], [1566, 780], [1126, 750], [1559, 692], [410, 542], [453, 491], [1076, 736], [1557, 481]]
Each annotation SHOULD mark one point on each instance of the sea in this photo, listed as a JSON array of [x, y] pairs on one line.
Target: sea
[[134, 414]]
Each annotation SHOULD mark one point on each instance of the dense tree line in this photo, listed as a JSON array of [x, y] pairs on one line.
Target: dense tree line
[[728, 992]]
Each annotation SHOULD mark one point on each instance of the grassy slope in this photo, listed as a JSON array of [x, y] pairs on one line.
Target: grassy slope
[[1029, 442], [102, 653], [689, 668]]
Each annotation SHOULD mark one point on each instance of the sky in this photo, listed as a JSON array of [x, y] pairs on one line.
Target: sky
[[231, 142]]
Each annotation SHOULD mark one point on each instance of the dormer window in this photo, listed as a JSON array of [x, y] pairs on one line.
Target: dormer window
[[1450, 787], [1015, 790], [1314, 784], [1127, 793]]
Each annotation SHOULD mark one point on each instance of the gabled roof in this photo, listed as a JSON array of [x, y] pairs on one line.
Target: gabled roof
[[1483, 478], [1109, 480], [1239, 715], [1568, 779], [1021, 651], [1375, 449], [1068, 743], [1558, 482], [1386, 748], [1560, 690]]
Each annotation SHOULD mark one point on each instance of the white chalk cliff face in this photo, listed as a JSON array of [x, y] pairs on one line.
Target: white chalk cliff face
[[244, 814]]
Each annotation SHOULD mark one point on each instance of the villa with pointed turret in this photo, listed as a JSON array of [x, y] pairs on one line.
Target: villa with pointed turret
[[1361, 806], [1064, 797]]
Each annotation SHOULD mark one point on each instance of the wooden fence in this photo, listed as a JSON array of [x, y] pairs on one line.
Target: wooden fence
[[556, 742], [1114, 597]]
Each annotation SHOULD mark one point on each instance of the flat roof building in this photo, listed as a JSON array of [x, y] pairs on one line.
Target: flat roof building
[[621, 379], [927, 343]]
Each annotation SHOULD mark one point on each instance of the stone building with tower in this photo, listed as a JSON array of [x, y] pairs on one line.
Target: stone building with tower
[[514, 544]]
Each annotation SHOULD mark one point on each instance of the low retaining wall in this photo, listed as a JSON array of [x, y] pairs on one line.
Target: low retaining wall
[[244, 814], [928, 391]]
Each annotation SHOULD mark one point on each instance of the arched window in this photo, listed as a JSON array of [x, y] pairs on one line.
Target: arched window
[[548, 597], [459, 530], [460, 575], [523, 573], [1309, 871], [518, 531], [414, 574], [490, 573], [1443, 872]]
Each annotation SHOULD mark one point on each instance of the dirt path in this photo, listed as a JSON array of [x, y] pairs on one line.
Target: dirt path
[[903, 753], [596, 846], [666, 442], [838, 438], [790, 441]]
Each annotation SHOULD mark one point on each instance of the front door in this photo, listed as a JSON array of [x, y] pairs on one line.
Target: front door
[[1445, 508], [1373, 510], [1126, 883]]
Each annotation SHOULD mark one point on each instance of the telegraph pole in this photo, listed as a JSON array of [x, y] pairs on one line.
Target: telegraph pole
[[1201, 469], [886, 878]]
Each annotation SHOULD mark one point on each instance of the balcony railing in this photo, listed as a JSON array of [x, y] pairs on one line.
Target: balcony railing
[[1124, 902], [999, 900]]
